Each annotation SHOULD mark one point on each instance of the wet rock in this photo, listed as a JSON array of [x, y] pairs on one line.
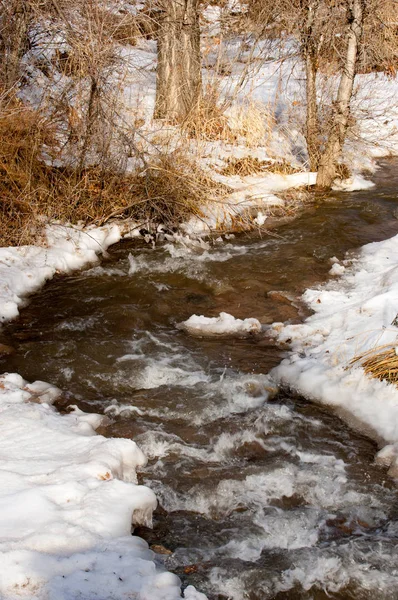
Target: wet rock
[[197, 299], [251, 451], [393, 470], [279, 296], [6, 350], [159, 549], [189, 569]]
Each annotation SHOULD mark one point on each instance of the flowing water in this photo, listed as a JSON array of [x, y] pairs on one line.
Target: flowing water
[[260, 496]]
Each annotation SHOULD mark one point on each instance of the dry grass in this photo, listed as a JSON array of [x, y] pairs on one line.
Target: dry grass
[[282, 167], [251, 166], [342, 171], [207, 121], [380, 363], [168, 190], [247, 165], [254, 121], [173, 188]]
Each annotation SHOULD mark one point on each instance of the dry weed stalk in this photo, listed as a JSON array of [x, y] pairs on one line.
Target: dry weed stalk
[[380, 362]]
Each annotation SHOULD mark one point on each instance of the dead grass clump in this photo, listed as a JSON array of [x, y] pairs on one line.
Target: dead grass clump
[[169, 190], [282, 167], [207, 121], [121, 27], [342, 171], [250, 166], [253, 121], [247, 165], [172, 189], [380, 363], [23, 177]]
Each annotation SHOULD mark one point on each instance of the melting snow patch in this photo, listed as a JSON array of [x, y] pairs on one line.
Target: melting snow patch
[[353, 184], [67, 502], [23, 270], [224, 325]]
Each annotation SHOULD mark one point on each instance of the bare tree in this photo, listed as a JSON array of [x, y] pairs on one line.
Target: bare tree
[[341, 112], [340, 37], [179, 80]]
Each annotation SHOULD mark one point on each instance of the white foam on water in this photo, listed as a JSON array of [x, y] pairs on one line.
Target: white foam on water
[[158, 444], [373, 571], [280, 529], [156, 362], [320, 483], [327, 573], [156, 374], [235, 588], [233, 395], [187, 256], [77, 324], [104, 271]]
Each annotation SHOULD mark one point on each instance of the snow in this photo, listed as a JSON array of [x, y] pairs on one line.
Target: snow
[[67, 501], [24, 269], [352, 314], [223, 325], [353, 184]]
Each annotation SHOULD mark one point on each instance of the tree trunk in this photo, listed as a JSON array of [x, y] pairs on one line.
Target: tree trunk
[[328, 161], [312, 125], [179, 79], [310, 51]]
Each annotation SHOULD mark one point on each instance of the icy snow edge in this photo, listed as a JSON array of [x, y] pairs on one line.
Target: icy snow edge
[[24, 269], [352, 314]]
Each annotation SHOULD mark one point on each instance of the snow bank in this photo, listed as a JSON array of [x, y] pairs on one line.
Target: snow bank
[[24, 269], [253, 193], [67, 500], [224, 325], [353, 314], [353, 184]]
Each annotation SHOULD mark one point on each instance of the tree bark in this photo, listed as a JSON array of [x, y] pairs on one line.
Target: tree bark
[[179, 79], [328, 161], [310, 51]]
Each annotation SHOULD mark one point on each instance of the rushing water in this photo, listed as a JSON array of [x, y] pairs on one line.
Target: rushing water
[[259, 498]]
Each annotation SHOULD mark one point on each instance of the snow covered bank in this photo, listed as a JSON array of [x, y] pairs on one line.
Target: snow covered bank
[[223, 325], [353, 314], [67, 498], [253, 193], [24, 269]]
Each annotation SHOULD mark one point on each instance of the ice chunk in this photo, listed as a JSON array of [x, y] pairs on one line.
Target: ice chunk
[[225, 324]]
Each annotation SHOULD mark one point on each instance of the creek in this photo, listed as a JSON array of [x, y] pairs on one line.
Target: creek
[[260, 498]]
